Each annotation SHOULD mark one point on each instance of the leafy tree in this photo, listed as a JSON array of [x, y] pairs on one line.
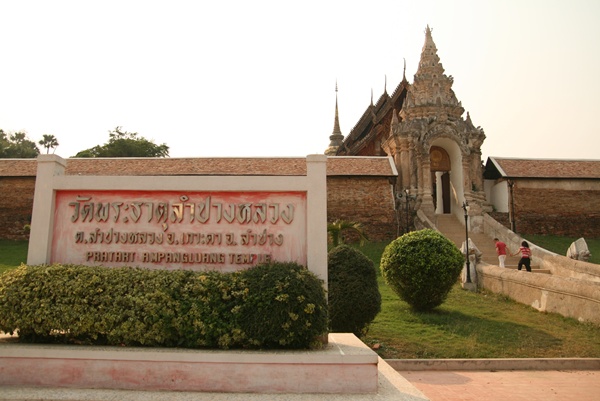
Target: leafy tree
[[49, 142], [17, 145], [336, 229], [126, 144]]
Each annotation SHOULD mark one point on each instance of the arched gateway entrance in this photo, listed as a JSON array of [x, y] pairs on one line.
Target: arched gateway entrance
[[440, 178]]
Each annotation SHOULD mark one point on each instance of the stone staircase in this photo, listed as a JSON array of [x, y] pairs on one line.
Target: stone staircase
[[454, 230]]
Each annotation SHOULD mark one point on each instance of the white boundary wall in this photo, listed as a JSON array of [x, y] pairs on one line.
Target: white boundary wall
[[51, 178]]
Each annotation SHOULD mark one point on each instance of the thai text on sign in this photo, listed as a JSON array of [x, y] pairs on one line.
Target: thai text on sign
[[168, 229]]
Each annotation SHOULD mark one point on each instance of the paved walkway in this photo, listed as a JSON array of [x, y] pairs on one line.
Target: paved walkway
[[551, 385]]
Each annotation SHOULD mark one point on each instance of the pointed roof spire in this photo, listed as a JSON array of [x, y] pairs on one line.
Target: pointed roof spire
[[371, 96], [336, 138], [429, 57], [336, 121], [404, 72], [431, 92], [385, 85]]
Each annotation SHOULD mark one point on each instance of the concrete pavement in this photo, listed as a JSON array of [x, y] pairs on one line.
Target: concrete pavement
[[548, 385]]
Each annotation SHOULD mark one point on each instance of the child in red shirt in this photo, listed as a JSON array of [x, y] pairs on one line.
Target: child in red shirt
[[501, 251], [525, 256]]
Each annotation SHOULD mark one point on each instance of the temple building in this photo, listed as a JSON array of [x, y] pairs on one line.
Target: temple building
[[436, 150]]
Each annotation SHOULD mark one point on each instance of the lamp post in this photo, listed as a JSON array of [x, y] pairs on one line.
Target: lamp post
[[465, 208], [407, 199]]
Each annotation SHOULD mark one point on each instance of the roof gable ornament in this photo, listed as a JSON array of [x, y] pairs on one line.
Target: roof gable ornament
[[385, 85]]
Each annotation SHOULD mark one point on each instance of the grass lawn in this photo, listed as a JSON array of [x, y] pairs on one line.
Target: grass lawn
[[12, 254], [475, 325], [560, 245], [467, 325]]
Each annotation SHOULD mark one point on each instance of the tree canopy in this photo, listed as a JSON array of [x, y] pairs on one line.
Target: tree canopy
[[336, 229], [17, 145], [126, 144], [49, 142]]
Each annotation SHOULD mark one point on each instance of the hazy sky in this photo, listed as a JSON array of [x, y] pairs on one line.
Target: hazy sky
[[257, 78]]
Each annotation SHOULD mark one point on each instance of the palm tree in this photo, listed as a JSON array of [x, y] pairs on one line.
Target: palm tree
[[335, 231], [48, 142]]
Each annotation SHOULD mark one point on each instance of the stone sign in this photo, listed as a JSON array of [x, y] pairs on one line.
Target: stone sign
[[205, 222], [185, 230]]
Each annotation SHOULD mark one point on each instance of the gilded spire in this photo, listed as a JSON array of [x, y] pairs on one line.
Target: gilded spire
[[336, 121], [336, 138]]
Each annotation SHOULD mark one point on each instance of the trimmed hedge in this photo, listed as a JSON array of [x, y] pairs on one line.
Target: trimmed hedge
[[277, 305], [354, 298], [421, 267]]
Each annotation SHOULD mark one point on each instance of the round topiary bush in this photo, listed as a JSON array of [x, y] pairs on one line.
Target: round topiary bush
[[354, 298], [421, 267]]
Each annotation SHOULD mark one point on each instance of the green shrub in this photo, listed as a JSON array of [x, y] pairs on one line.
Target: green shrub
[[354, 298], [282, 306], [130, 306], [207, 318], [421, 267]]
